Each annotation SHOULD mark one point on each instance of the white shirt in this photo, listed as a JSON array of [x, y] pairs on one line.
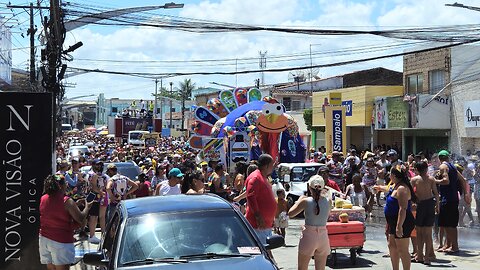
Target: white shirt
[[166, 189]]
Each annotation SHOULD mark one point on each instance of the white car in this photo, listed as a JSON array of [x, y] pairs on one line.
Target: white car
[[293, 179]]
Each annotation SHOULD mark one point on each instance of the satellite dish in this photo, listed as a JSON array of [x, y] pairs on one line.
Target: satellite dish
[[297, 76], [312, 74]]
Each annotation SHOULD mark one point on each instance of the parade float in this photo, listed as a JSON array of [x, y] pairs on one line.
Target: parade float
[[241, 124]]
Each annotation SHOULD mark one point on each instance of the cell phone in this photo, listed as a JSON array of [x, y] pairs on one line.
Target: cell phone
[[91, 196]]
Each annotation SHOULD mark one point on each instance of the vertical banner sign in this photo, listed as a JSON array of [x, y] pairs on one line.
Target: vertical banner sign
[[335, 129], [26, 157]]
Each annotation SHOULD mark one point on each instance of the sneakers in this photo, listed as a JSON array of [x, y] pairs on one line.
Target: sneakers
[[93, 240]]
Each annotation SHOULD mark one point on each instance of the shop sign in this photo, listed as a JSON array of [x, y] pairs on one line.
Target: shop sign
[[335, 98], [349, 107], [472, 113], [26, 156], [335, 129]]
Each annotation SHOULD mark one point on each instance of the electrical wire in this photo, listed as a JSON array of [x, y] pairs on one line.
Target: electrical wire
[[145, 74]]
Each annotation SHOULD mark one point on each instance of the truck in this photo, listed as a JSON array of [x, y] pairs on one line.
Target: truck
[[135, 138]]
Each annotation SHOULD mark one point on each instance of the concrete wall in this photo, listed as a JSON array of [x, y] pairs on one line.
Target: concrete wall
[[465, 87]]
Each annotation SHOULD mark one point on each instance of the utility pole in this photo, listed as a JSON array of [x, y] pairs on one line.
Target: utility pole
[[262, 65], [311, 72], [183, 112], [31, 32], [155, 105], [171, 93]]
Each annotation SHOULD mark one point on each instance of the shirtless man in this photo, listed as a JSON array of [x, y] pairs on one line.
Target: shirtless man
[[425, 190], [450, 181]]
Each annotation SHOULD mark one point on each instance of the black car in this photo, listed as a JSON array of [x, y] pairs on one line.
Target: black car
[[181, 232]]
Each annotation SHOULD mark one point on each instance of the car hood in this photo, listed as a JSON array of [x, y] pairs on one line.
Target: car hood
[[238, 263]]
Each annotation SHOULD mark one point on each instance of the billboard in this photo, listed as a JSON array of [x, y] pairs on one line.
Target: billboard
[[130, 124], [335, 129], [391, 113], [26, 154]]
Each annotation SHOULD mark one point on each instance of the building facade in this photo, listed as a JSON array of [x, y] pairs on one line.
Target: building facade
[[441, 89], [359, 121]]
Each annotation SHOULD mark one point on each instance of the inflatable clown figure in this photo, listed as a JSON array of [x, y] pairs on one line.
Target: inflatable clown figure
[[249, 125]]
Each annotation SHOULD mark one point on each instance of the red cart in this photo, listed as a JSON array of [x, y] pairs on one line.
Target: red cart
[[350, 235]]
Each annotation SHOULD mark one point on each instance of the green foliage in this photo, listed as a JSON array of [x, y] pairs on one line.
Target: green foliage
[[308, 117], [186, 88]]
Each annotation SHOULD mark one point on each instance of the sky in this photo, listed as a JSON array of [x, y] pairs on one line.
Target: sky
[[146, 48]]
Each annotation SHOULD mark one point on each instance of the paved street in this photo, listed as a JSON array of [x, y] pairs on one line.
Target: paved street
[[376, 246]]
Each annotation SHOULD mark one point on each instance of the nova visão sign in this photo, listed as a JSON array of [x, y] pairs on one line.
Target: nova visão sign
[[335, 129], [26, 157]]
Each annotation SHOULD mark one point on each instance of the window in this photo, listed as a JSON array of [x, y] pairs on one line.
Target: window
[[114, 109], [436, 81], [287, 102], [414, 84], [296, 105]]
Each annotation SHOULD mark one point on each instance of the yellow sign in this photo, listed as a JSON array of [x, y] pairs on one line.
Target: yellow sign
[[335, 98], [335, 129]]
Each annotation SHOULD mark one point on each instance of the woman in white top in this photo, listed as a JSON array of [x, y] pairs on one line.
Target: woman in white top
[[314, 240], [358, 192]]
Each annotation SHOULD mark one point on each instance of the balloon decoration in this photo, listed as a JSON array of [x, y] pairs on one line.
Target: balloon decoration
[[261, 121], [216, 106]]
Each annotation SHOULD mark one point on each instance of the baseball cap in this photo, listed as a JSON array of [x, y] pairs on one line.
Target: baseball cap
[[175, 172], [391, 152], [443, 153], [316, 181], [97, 161], [111, 166]]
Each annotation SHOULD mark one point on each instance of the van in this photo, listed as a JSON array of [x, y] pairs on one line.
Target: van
[[66, 127], [135, 138]]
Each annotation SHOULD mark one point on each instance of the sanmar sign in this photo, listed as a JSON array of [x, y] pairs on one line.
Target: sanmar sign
[[472, 113], [25, 153]]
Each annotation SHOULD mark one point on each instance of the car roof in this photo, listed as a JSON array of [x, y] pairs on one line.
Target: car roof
[[174, 203], [291, 165]]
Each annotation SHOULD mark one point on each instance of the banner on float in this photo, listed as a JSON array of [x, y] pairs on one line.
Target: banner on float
[[26, 160], [213, 149], [335, 129]]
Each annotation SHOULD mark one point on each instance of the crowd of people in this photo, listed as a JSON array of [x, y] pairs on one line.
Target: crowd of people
[[420, 194]]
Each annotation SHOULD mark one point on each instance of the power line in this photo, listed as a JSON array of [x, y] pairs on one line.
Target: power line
[[147, 75]]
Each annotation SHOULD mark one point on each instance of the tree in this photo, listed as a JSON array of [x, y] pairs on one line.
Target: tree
[[186, 88], [308, 117]]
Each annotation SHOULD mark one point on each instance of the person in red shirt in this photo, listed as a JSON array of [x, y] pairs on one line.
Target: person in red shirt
[[261, 203], [144, 186], [59, 217], [324, 173]]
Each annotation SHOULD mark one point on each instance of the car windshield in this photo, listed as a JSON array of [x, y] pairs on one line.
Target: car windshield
[[135, 135], [185, 234], [129, 171], [302, 174]]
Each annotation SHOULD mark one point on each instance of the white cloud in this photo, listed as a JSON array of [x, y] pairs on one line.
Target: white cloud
[[147, 44]]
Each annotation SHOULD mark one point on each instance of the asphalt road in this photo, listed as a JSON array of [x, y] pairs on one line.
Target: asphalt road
[[376, 246], [371, 257]]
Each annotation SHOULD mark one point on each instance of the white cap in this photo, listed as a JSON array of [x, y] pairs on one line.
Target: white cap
[[316, 182]]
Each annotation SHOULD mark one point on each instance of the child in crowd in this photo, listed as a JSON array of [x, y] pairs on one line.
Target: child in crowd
[[281, 217]]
